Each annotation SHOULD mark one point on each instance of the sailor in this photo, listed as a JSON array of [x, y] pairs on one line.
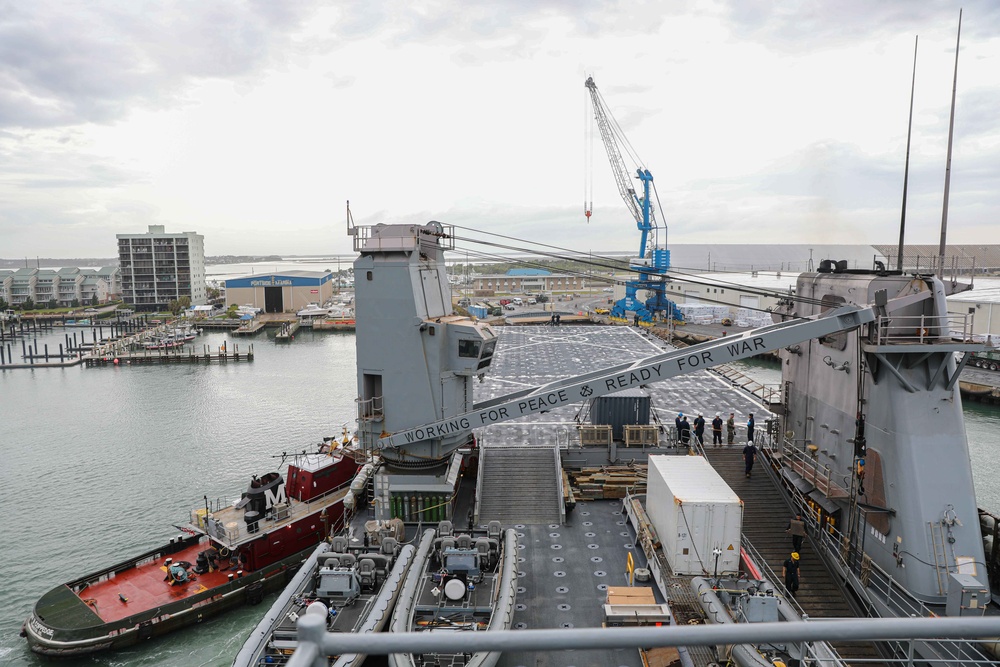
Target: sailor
[[749, 454], [699, 429], [684, 432], [797, 529], [717, 431], [731, 428], [750, 427], [790, 571]]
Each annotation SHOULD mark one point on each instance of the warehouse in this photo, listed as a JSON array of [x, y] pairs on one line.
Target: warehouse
[[286, 292]]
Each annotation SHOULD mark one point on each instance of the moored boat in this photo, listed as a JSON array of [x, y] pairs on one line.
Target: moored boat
[[356, 587], [231, 554], [465, 582]]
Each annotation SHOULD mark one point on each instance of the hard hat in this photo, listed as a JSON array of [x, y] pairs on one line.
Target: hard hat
[[795, 555]]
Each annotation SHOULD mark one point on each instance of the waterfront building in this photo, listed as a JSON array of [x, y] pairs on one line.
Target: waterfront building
[[159, 267], [63, 286], [289, 291], [527, 280]]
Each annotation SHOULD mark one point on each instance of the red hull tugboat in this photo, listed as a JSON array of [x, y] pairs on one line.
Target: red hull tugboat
[[231, 555]]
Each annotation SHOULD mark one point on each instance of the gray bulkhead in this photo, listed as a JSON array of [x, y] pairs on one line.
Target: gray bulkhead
[[918, 476], [416, 361]]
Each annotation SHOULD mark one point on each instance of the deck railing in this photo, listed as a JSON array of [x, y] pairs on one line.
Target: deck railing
[[878, 584], [910, 329], [226, 532], [314, 643]]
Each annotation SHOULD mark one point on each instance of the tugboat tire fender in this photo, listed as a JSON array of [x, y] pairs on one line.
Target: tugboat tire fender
[[255, 593]]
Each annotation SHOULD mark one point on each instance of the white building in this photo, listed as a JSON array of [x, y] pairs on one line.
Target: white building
[[157, 268], [64, 287]]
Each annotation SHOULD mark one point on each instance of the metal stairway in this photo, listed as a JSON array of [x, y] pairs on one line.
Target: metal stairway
[[765, 518], [519, 485]]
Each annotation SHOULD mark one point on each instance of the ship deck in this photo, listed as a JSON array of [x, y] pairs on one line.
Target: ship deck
[[566, 569], [237, 532], [145, 587]]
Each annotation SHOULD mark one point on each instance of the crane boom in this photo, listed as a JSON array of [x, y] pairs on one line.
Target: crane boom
[[653, 260], [633, 374], [618, 167], [638, 206]]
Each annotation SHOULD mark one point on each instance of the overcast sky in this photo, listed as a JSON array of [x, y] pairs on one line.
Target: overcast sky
[[253, 122]]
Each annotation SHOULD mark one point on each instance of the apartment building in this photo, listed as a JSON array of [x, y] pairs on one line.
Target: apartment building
[[157, 268], [61, 286]]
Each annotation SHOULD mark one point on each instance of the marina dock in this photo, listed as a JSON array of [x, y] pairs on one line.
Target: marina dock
[[249, 328], [287, 332], [174, 356]]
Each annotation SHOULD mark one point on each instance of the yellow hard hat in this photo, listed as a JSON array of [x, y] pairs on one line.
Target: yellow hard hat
[[795, 555]]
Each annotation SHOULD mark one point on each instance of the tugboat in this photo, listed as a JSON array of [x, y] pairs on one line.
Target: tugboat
[[229, 555], [458, 582], [353, 586]]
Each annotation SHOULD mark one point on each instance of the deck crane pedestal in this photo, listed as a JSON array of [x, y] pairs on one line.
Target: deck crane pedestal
[[654, 258]]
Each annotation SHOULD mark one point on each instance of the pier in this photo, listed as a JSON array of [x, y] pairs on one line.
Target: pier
[[287, 332], [249, 328], [109, 343], [175, 356]]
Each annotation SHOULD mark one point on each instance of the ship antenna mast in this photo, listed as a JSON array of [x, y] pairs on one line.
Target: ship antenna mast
[[947, 169], [906, 169]]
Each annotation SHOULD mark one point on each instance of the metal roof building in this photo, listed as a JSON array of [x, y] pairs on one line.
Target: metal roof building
[[289, 291]]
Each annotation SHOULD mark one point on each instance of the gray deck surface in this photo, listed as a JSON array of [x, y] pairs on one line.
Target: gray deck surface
[[567, 569]]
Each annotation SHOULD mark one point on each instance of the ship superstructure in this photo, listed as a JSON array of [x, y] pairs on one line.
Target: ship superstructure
[[874, 435]]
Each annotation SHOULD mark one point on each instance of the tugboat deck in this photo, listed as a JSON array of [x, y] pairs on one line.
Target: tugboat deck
[[145, 587], [236, 530]]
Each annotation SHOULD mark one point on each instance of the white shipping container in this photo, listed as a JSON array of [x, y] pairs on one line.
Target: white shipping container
[[694, 511]]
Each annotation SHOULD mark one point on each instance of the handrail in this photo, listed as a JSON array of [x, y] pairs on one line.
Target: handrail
[[559, 485], [831, 540], [923, 328], [296, 508], [314, 642]]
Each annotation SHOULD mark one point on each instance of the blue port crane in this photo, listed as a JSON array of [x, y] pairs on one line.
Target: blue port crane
[[653, 261]]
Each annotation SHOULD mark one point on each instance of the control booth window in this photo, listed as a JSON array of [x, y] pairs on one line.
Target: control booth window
[[469, 348]]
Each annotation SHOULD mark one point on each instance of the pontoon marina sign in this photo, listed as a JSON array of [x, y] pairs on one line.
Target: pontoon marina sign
[[637, 373]]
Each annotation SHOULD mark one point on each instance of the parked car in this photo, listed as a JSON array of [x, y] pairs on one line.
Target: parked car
[[508, 306]]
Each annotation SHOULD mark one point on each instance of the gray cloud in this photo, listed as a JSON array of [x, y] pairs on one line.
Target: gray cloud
[[69, 63], [789, 28]]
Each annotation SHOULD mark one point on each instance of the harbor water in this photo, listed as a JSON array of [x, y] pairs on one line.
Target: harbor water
[[98, 464]]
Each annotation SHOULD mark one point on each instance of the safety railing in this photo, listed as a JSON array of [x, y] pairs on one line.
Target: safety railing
[[314, 643], [879, 585], [559, 485], [229, 526], [806, 466], [422, 234], [369, 408], [911, 329]]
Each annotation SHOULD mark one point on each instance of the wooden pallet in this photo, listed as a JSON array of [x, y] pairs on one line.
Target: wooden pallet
[[608, 482]]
